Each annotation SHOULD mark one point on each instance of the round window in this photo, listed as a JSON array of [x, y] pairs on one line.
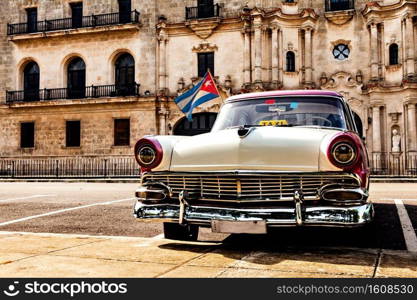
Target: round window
[[341, 51]]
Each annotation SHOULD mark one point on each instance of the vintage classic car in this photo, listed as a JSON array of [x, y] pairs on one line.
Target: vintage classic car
[[281, 158]]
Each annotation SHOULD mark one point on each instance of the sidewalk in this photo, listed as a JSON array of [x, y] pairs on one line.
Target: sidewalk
[[59, 255], [384, 179]]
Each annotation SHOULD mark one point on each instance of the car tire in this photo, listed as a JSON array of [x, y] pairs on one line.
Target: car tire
[[370, 228], [174, 231]]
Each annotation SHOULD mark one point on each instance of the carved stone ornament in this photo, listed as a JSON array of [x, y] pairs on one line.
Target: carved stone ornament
[[394, 117], [354, 102], [339, 41], [205, 46], [203, 28], [341, 79], [339, 17]]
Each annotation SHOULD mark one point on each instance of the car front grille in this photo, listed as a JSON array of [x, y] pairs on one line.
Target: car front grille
[[241, 187]]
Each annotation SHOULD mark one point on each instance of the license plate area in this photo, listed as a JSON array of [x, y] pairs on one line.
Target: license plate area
[[254, 227]]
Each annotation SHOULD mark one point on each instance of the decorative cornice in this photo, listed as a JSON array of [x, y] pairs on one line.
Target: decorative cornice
[[339, 41], [341, 78], [203, 28], [374, 7], [339, 17], [256, 11], [205, 46]]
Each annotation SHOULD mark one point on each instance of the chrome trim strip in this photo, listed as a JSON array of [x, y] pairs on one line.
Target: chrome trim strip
[[252, 172], [312, 216]]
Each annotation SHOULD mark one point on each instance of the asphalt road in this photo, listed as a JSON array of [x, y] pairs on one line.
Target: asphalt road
[[88, 230], [105, 209]]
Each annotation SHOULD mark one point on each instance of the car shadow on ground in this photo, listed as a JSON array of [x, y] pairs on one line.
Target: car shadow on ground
[[321, 242]]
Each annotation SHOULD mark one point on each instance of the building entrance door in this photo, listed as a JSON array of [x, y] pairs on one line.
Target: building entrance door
[[77, 14], [125, 7]]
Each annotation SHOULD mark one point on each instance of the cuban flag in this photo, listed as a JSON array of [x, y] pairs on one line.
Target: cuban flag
[[205, 90]]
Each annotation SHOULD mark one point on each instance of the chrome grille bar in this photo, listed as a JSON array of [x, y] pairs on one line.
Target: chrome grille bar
[[242, 187]]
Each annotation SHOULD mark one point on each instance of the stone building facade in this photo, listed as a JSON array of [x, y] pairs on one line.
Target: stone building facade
[[366, 50]]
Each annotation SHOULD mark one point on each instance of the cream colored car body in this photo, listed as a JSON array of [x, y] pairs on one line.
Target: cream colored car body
[[287, 149]]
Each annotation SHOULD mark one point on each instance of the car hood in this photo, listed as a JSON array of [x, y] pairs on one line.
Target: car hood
[[294, 149]]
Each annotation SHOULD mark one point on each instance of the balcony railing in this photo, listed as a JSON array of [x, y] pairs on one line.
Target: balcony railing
[[71, 23], [94, 91], [202, 11], [336, 5]]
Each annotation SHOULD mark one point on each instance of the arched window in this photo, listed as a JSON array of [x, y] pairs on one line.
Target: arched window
[[393, 54], [125, 74], [31, 81], [76, 78], [290, 61]]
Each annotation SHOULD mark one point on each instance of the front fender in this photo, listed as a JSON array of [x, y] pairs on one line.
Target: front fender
[[167, 142]]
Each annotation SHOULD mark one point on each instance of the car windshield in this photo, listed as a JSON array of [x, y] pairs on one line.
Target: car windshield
[[282, 111]]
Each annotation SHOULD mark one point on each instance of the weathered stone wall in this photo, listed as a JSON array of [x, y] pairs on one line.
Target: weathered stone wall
[[98, 49], [6, 56], [249, 51], [97, 126]]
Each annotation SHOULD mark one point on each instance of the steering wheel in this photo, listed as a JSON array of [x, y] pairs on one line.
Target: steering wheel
[[324, 119]]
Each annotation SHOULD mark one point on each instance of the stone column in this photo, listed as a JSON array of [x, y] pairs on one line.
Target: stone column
[[412, 136], [265, 67], [162, 62], [280, 56], [275, 55], [409, 46], [258, 49], [246, 56], [163, 116], [308, 55], [376, 129], [374, 51]]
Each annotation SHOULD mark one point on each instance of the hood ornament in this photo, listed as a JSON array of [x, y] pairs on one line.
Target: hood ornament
[[244, 131]]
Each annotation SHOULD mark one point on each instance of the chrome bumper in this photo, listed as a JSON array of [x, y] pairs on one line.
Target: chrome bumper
[[274, 217]]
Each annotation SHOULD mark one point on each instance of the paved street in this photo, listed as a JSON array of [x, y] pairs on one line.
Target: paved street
[[87, 229]]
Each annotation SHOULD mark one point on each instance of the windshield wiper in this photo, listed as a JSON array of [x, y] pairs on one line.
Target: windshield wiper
[[244, 126], [250, 126], [319, 127]]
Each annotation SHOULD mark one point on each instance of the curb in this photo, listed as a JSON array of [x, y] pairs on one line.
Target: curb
[[136, 180], [73, 180], [393, 180]]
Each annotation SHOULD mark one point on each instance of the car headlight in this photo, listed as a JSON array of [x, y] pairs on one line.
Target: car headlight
[[343, 150], [343, 153], [148, 153], [346, 150]]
